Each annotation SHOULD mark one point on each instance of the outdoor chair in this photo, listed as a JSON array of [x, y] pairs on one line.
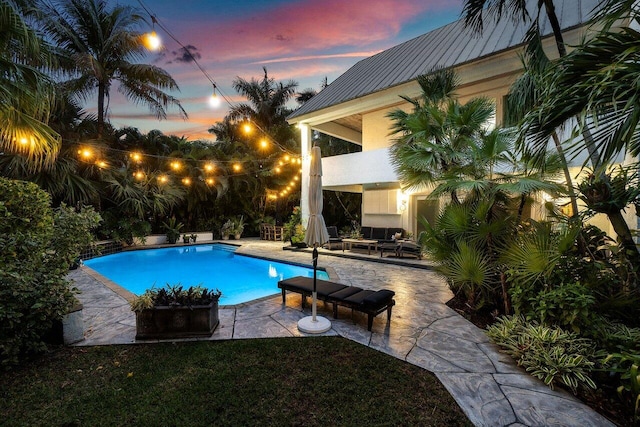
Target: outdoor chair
[[369, 302], [409, 248], [333, 237]]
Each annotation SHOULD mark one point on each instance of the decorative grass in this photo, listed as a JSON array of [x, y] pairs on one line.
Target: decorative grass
[[289, 381]]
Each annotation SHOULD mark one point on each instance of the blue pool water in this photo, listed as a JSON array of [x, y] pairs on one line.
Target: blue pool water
[[240, 278]]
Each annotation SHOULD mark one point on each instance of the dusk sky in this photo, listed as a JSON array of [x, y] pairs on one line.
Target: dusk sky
[[300, 40]]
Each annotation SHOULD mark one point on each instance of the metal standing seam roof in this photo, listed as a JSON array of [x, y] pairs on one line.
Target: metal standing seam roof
[[448, 46]]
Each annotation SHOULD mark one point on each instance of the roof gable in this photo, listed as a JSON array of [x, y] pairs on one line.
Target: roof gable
[[448, 46]]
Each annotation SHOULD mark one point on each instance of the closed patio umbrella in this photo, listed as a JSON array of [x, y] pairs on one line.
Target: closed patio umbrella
[[316, 235]]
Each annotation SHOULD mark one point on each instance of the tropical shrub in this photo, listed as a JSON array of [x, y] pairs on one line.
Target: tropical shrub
[[569, 305], [290, 226], [124, 229], [564, 274], [465, 241], [37, 247], [627, 367], [549, 353]]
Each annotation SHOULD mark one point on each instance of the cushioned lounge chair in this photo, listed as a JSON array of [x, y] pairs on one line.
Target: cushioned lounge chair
[[409, 248], [366, 301]]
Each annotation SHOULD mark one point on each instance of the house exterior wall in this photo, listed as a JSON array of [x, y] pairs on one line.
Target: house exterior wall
[[490, 76]]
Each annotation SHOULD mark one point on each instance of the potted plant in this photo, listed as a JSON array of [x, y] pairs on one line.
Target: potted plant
[[173, 230], [186, 238], [227, 229], [297, 238], [193, 237], [294, 230], [238, 227], [173, 312]]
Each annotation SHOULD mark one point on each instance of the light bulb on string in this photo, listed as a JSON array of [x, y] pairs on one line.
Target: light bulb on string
[[151, 40], [214, 99]]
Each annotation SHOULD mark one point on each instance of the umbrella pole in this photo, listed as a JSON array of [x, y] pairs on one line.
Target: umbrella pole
[[314, 324], [315, 271]]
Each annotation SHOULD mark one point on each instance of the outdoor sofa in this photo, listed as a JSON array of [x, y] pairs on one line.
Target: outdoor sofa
[[369, 302]]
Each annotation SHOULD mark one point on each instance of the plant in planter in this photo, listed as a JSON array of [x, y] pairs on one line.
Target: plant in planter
[[173, 312], [297, 238], [238, 227], [193, 237], [294, 230], [173, 230], [227, 229], [186, 238]]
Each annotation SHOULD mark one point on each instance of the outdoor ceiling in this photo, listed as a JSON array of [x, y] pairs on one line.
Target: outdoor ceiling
[[353, 122]]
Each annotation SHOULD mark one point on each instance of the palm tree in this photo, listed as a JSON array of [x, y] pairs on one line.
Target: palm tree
[[438, 138], [26, 94], [268, 100], [597, 83], [524, 95], [474, 10], [98, 45]]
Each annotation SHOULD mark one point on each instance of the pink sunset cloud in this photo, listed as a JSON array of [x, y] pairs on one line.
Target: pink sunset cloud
[[316, 25]]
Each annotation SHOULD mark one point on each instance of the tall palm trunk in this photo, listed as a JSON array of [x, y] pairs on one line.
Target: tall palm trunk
[[101, 96], [567, 174]]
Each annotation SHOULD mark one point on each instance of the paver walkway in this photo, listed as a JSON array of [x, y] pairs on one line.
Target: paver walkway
[[487, 385]]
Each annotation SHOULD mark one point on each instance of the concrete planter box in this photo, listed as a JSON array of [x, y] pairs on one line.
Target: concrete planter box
[[177, 322], [161, 239]]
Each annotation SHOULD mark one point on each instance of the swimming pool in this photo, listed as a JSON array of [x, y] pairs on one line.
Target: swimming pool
[[214, 266]]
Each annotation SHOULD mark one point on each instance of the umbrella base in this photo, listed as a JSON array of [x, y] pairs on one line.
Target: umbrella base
[[308, 326]]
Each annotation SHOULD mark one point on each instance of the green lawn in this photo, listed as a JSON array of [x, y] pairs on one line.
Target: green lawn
[[289, 381]]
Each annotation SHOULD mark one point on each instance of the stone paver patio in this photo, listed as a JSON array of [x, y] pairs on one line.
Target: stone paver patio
[[487, 385]]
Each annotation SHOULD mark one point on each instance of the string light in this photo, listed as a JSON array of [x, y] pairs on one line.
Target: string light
[[85, 153], [214, 100]]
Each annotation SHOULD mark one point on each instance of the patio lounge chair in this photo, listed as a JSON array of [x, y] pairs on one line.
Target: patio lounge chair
[[333, 237], [409, 248], [366, 301]]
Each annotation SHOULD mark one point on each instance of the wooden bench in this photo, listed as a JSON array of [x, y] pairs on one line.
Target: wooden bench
[[366, 301]]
